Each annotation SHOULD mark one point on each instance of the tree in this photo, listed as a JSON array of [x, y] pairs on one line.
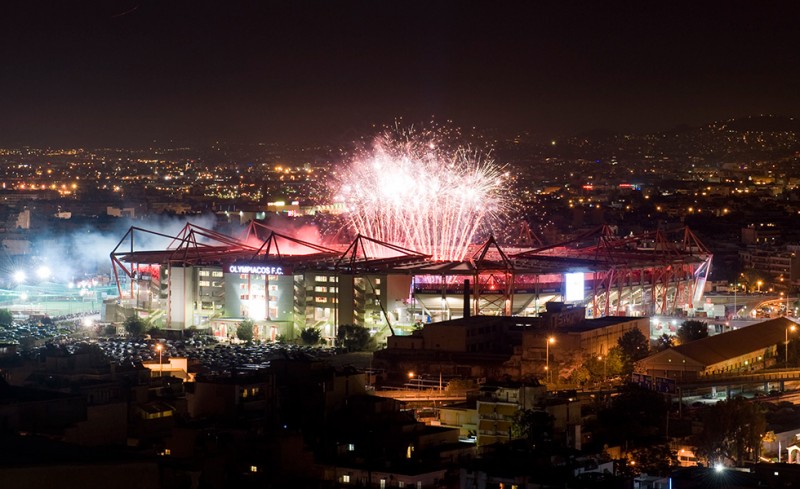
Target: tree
[[633, 347], [354, 338], [732, 430], [579, 376], [134, 325], [750, 277], [664, 342], [311, 336], [655, 459], [605, 366], [691, 330], [533, 426], [244, 330], [6, 319]]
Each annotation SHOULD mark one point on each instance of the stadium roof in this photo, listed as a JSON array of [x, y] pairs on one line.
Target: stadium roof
[[596, 250], [723, 347]]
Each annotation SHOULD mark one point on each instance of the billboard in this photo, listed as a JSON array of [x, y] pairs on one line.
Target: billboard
[[574, 287]]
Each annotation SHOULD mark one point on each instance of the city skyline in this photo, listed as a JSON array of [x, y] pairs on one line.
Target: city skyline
[[128, 72]]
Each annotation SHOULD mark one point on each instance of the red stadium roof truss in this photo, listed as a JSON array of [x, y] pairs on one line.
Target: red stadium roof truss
[[664, 257]]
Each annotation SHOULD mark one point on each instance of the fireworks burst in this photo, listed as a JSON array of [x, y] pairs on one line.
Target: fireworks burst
[[415, 190]]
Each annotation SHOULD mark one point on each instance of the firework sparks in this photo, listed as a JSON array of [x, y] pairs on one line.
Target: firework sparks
[[414, 190]]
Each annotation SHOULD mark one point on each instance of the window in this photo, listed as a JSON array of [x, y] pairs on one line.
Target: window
[[377, 281], [216, 274], [320, 299], [203, 273], [346, 479], [401, 484], [254, 468], [351, 447], [320, 278], [377, 291], [419, 484], [320, 288], [204, 283], [383, 483]]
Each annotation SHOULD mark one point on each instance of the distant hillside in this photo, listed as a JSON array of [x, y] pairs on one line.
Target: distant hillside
[[766, 123]]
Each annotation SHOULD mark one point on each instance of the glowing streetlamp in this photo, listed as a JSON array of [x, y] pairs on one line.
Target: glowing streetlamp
[[759, 283], [786, 346], [160, 349], [547, 355], [603, 359]]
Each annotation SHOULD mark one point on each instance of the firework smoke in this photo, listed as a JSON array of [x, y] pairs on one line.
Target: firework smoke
[[415, 190]]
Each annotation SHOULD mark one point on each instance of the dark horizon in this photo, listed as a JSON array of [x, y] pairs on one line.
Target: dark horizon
[[126, 72]]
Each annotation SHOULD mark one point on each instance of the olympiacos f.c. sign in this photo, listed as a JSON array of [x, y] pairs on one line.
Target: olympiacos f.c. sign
[[256, 269]]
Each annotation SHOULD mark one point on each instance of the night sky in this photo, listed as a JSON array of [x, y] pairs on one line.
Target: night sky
[[126, 72]]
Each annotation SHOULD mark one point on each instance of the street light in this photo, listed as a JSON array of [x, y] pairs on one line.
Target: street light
[[759, 283], [547, 355], [603, 359], [786, 346], [160, 348]]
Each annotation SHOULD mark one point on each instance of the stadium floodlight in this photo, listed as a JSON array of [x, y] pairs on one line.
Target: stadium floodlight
[[43, 272], [19, 276]]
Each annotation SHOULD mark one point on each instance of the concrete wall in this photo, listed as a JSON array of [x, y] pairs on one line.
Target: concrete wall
[[180, 304]]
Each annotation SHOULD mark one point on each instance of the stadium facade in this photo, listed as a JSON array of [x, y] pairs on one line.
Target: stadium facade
[[203, 279]]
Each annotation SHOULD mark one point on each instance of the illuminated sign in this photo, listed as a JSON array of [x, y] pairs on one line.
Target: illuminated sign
[[256, 269], [574, 287]]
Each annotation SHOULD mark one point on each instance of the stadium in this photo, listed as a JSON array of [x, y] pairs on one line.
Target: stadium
[[199, 278]]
